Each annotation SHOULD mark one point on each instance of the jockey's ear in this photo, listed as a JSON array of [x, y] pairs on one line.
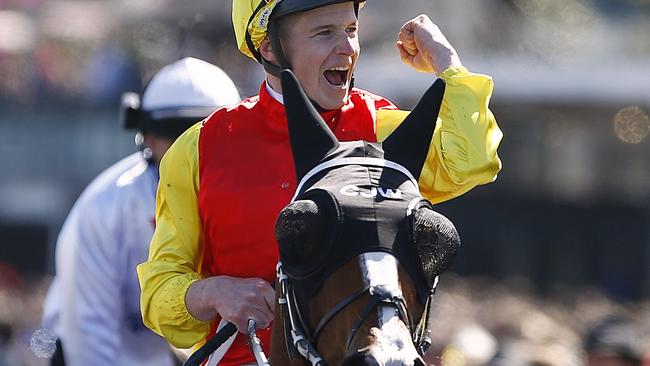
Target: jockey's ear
[[311, 139], [409, 144]]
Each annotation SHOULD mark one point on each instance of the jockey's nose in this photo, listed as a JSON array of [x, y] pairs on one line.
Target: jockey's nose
[[360, 359]]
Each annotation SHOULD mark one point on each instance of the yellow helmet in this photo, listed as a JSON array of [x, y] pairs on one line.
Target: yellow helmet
[[251, 19]]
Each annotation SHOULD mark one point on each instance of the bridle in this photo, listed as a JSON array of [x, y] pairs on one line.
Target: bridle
[[302, 340]]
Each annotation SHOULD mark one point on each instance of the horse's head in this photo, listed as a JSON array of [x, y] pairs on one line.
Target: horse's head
[[360, 248]]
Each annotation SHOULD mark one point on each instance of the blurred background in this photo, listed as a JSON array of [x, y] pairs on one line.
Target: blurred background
[[561, 239]]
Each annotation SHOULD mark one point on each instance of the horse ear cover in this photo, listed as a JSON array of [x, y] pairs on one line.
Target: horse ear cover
[[436, 241], [294, 230], [302, 231]]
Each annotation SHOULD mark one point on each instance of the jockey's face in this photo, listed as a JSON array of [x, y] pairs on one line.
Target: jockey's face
[[322, 46]]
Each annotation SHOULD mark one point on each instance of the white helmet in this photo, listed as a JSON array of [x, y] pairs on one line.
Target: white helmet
[[177, 97]]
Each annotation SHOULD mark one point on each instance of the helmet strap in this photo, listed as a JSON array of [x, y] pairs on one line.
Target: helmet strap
[[274, 38], [272, 69], [275, 70]]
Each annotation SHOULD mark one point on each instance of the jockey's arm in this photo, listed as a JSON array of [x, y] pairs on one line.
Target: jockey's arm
[[175, 252], [463, 150]]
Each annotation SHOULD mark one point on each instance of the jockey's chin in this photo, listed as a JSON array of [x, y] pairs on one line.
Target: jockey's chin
[[331, 95], [328, 84]]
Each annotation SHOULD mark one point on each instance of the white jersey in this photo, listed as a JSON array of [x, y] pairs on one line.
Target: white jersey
[[93, 305]]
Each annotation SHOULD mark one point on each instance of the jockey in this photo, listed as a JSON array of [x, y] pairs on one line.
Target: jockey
[[93, 304], [225, 180]]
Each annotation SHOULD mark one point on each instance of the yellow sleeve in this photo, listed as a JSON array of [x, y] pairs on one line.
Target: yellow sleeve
[[463, 150], [176, 247]]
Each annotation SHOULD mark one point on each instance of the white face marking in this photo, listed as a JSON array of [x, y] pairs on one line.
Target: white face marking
[[393, 346]]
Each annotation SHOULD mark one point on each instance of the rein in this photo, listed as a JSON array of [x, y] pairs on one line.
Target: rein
[[221, 337], [212, 345], [256, 345]]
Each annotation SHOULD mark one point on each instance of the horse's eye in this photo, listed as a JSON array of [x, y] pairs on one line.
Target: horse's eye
[[299, 229], [436, 241]]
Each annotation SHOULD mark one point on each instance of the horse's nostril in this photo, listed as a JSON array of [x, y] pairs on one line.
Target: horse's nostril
[[360, 359]]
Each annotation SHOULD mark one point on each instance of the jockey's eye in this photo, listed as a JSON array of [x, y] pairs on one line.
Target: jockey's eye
[[303, 231], [436, 241]]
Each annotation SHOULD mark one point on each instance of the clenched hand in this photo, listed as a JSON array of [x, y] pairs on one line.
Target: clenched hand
[[422, 45]]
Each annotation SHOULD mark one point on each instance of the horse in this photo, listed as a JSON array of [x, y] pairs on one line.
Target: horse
[[360, 248]]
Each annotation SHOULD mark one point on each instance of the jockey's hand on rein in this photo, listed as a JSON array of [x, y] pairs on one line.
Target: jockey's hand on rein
[[240, 299]]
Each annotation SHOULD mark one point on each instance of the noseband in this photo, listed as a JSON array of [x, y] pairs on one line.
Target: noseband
[[303, 340]]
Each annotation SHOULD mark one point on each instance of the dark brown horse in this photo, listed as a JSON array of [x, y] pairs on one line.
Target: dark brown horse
[[360, 248]]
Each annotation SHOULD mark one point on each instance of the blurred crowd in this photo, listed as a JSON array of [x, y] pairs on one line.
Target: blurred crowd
[[89, 51], [476, 321], [58, 53], [482, 322]]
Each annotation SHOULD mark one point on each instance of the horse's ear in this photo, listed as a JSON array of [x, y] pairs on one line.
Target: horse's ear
[[311, 139], [408, 145]]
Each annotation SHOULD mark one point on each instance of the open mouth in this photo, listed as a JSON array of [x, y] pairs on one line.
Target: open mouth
[[337, 76]]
